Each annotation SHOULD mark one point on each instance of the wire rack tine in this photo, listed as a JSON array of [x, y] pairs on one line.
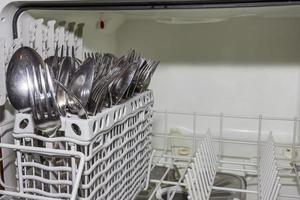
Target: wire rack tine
[[268, 179], [200, 177]]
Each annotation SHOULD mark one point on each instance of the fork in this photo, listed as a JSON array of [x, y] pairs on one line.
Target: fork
[[46, 117]]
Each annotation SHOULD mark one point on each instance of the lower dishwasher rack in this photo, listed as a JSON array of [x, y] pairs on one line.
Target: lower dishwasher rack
[[261, 150], [191, 150]]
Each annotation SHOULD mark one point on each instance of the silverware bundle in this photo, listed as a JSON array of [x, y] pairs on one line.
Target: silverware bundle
[[63, 84]]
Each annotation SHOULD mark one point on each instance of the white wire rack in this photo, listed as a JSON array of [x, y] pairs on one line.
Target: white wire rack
[[202, 155], [269, 167], [201, 174]]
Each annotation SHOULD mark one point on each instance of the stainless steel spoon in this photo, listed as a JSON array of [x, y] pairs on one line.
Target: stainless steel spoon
[[82, 81], [16, 76]]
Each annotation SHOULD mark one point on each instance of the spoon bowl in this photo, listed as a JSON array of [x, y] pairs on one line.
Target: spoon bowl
[[16, 77], [82, 81]]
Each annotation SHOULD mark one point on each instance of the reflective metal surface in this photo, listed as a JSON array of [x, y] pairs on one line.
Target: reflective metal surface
[[63, 84], [82, 81], [16, 77]]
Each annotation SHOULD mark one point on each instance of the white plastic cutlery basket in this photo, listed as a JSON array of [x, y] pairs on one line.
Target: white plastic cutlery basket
[[116, 144]]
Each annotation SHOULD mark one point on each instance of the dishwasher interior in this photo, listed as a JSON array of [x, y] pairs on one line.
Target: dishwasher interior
[[225, 97]]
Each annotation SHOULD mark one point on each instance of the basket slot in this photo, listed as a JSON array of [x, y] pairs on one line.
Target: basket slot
[[42, 193], [120, 160], [103, 155], [52, 168]]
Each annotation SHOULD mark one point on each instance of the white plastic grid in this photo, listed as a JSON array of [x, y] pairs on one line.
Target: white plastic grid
[[116, 157], [43, 37], [42, 152]]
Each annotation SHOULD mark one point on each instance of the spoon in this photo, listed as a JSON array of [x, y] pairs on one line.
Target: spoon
[[16, 76], [82, 81], [66, 70]]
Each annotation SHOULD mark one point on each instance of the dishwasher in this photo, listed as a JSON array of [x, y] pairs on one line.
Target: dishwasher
[[150, 100]]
